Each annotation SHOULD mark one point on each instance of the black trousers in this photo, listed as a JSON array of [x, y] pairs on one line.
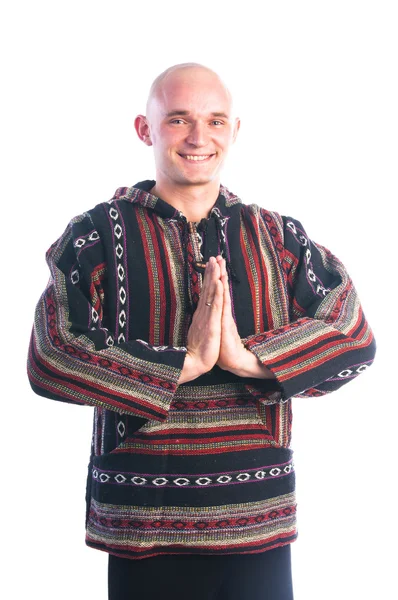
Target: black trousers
[[264, 576]]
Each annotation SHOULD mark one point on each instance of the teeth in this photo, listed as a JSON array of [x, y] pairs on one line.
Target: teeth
[[190, 157]]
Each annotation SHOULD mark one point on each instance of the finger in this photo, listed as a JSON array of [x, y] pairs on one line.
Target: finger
[[221, 262], [227, 295], [217, 259], [212, 307], [217, 302], [211, 265], [212, 277], [225, 280], [209, 272]]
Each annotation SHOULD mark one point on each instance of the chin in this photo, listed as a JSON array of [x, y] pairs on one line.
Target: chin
[[198, 180]]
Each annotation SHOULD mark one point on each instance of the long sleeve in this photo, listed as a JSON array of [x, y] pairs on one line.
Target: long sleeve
[[74, 357], [328, 341]]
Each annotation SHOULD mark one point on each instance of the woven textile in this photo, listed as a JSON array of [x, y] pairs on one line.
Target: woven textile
[[204, 467]]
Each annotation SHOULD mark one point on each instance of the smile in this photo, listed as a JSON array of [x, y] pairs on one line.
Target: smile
[[197, 157]]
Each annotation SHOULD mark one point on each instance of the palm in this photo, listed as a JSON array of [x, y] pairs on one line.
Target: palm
[[231, 347]]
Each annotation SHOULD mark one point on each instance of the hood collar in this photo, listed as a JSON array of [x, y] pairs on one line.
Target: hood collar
[[140, 194]]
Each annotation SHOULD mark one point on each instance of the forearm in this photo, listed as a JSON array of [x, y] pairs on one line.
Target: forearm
[[250, 366]]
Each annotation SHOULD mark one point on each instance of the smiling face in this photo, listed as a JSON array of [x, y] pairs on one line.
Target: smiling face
[[189, 122]]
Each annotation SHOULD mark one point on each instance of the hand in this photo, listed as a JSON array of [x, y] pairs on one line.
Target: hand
[[204, 334], [233, 355], [232, 349]]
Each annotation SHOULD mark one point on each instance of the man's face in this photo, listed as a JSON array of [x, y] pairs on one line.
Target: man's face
[[191, 127]]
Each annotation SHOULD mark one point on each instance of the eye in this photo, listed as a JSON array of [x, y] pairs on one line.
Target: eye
[[174, 120], [219, 122]]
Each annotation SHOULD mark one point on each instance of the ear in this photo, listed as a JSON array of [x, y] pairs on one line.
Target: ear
[[143, 130], [236, 129]]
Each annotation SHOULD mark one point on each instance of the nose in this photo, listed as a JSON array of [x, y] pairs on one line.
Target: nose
[[197, 135]]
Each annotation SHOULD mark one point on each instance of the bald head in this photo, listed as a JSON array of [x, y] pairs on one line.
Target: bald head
[[184, 73], [189, 112]]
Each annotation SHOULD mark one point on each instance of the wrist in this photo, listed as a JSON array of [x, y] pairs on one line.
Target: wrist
[[251, 366], [190, 370]]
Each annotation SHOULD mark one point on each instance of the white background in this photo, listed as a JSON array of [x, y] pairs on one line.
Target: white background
[[315, 84]]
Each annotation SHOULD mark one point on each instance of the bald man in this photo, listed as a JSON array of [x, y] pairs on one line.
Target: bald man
[[189, 320]]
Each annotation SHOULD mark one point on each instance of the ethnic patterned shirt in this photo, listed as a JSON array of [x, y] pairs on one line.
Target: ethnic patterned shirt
[[203, 467]]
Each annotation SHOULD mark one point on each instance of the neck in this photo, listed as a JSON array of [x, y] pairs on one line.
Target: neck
[[194, 201]]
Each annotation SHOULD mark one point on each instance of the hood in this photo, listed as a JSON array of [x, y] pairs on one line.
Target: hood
[[140, 194]]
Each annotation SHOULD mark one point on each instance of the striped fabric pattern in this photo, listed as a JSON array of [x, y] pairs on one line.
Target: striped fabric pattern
[[203, 467]]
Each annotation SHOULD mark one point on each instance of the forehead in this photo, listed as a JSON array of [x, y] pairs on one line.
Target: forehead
[[194, 92]]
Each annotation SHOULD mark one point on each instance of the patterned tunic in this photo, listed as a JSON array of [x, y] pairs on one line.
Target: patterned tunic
[[204, 467]]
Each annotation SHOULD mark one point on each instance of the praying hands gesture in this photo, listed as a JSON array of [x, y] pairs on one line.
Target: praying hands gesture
[[213, 337]]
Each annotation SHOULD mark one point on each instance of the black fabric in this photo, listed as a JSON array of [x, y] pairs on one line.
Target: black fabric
[[188, 495], [263, 576]]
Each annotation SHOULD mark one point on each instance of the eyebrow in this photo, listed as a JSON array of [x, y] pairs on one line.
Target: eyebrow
[[176, 112]]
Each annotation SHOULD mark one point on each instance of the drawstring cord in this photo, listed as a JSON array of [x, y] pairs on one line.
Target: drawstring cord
[[185, 242], [220, 222], [202, 227]]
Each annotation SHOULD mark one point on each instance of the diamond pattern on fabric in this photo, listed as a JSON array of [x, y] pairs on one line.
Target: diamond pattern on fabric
[[203, 480]]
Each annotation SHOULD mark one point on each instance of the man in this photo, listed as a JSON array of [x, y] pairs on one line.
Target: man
[[190, 320]]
